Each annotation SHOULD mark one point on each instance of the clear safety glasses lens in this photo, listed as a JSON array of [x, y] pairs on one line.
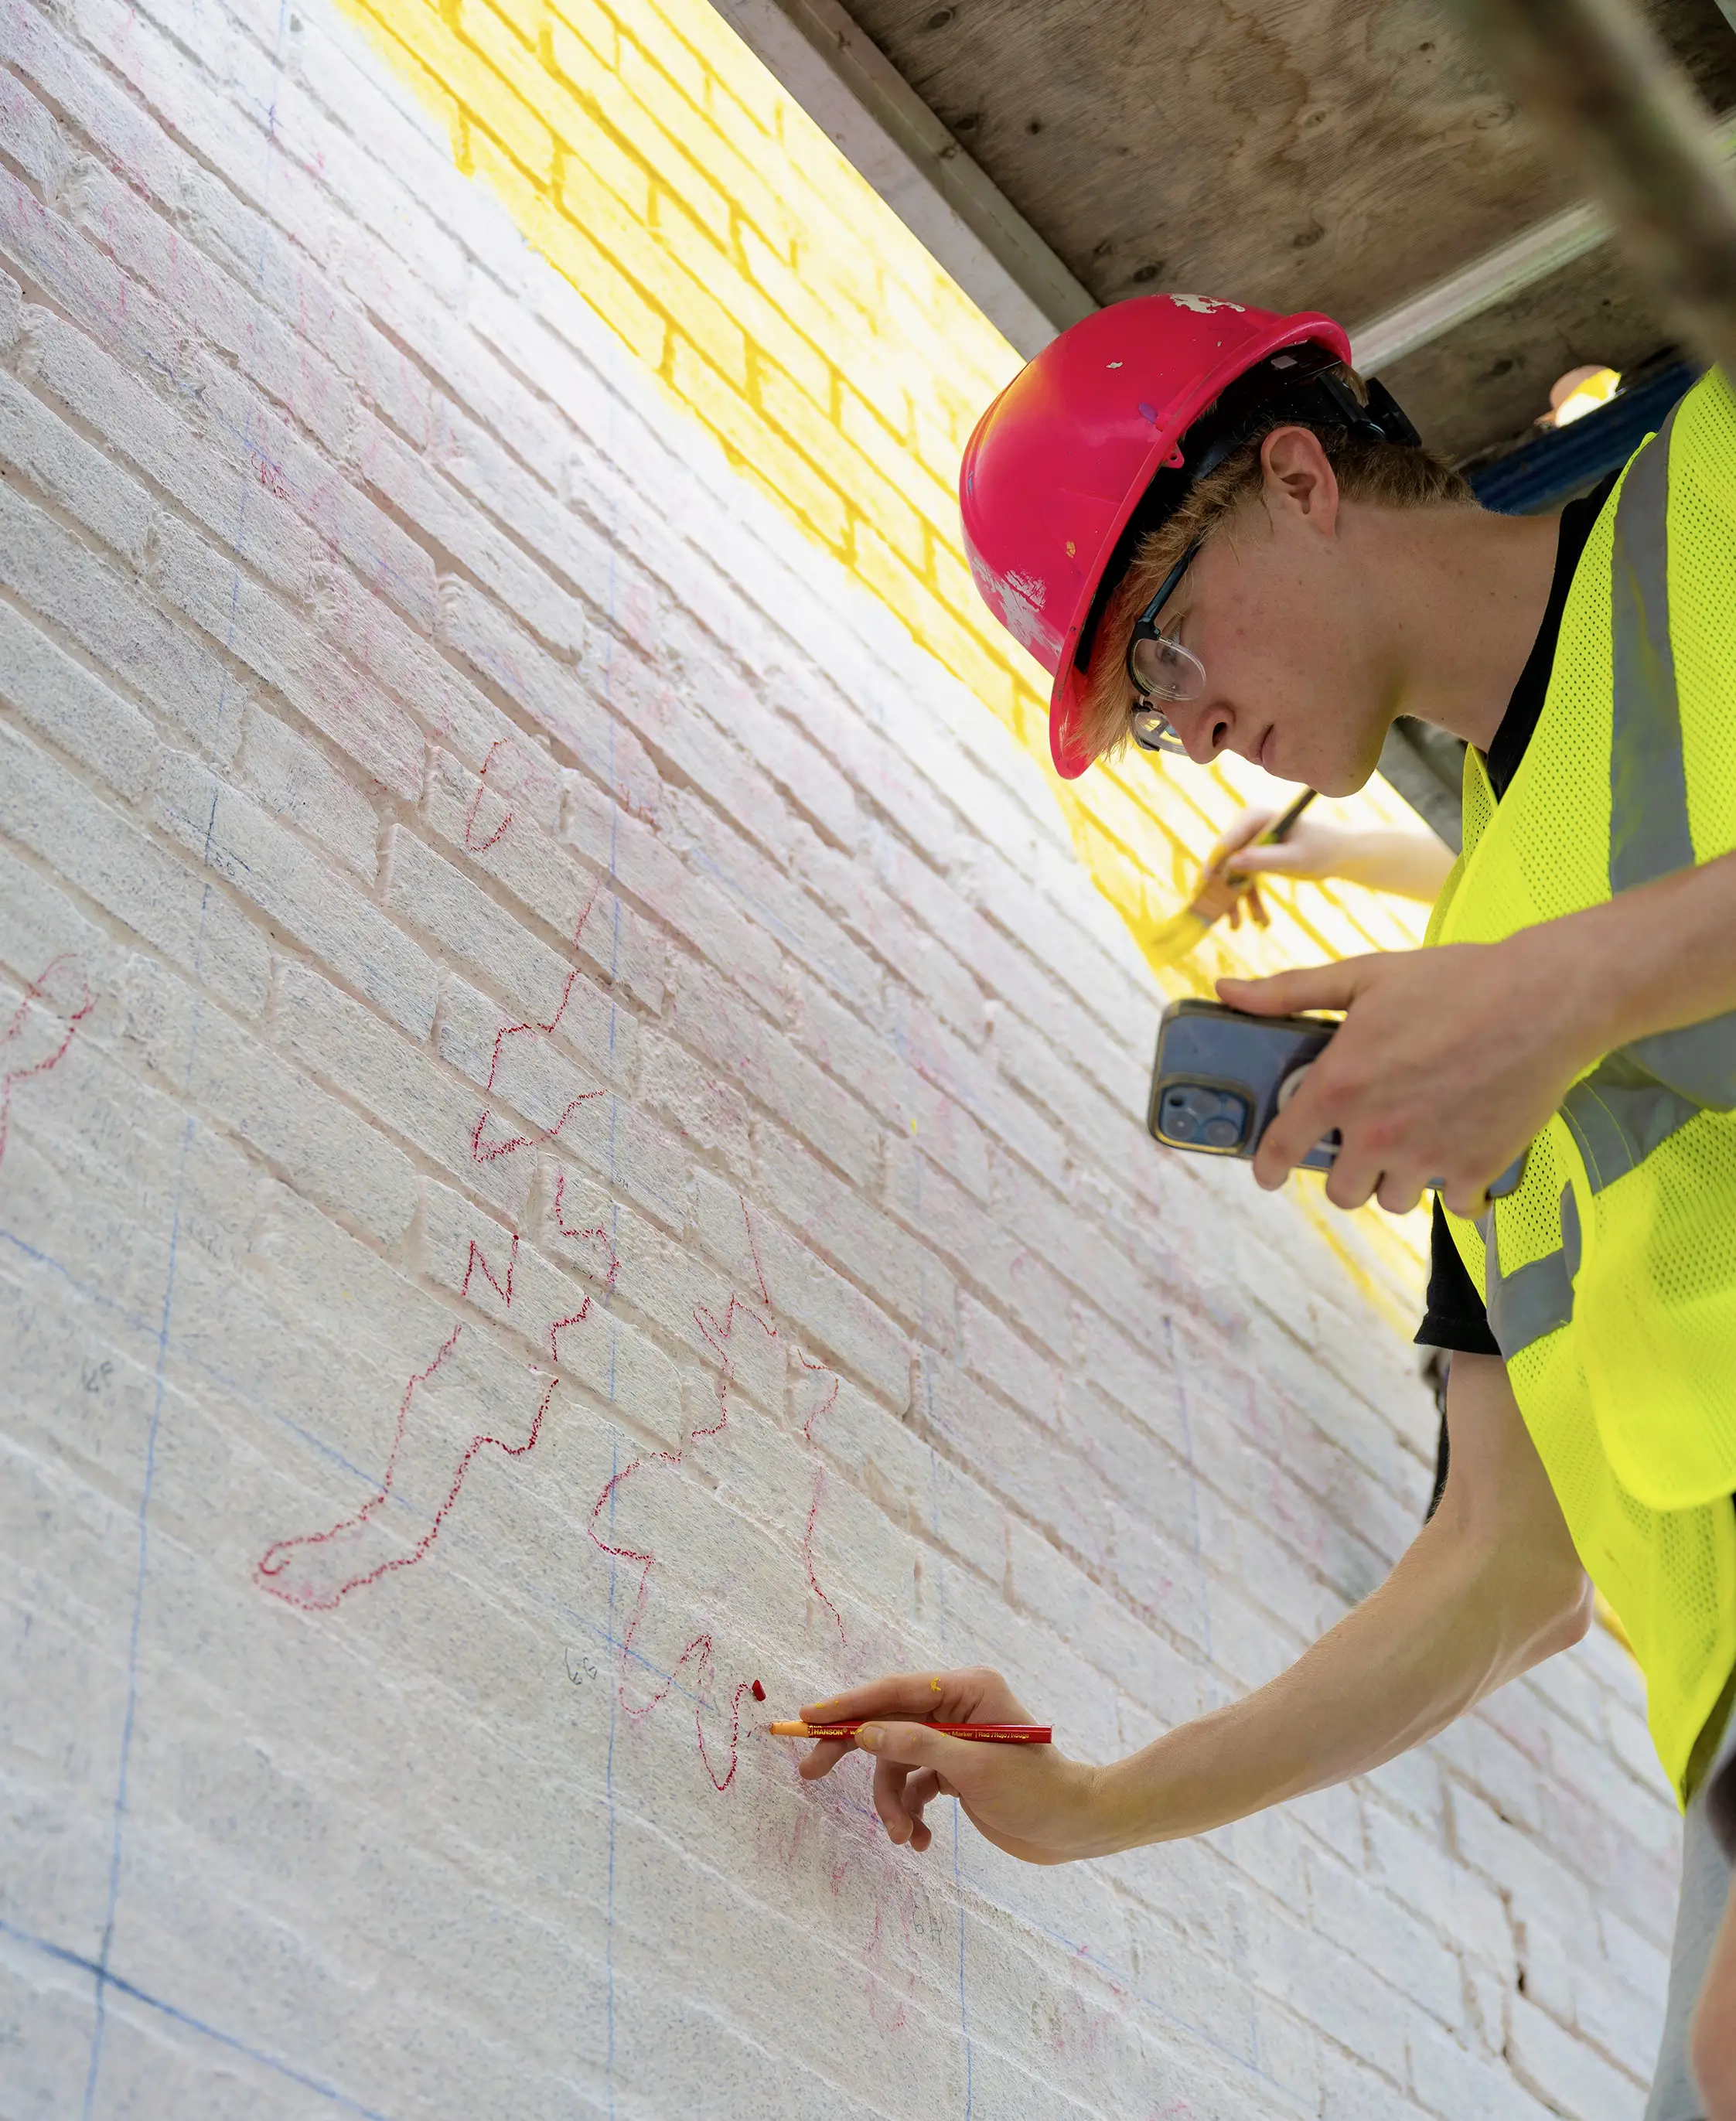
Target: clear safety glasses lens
[[1166, 672], [1151, 731]]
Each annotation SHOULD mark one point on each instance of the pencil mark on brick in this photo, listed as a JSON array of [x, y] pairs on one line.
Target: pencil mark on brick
[[52, 1041]]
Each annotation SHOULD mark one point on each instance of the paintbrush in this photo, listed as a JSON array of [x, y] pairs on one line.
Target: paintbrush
[[1168, 944]]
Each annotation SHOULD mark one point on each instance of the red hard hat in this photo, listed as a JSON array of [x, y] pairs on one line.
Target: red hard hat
[[1064, 455]]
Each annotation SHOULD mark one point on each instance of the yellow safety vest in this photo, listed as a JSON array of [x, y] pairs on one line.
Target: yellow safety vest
[[1610, 1274]]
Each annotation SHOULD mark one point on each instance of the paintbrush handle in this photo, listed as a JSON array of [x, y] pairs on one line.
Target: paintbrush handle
[[983, 1734]]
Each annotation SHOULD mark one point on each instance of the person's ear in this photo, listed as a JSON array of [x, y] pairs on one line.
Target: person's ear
[[1300, 480]]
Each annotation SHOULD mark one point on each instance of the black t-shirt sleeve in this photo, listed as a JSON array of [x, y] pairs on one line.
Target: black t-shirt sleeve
[[1456, 1317]]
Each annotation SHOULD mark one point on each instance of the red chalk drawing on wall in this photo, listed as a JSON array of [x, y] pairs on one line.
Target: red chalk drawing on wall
[[699, 1659], [497, 1145], [475, 845], [429, 1463], [39, 1032], [320, 1569], [437, 1438]]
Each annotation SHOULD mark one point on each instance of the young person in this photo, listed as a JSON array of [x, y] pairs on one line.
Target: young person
[[1215, 537]]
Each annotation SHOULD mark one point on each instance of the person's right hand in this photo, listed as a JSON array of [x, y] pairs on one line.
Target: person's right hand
[[1029, 1799], [1229, 883]]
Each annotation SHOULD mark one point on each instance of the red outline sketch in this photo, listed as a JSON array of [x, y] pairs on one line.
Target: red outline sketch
[[716, 1334], [479, 1258], [36, 991], [486, 1152], [276, 1558], [824, 1406], [482, 847]]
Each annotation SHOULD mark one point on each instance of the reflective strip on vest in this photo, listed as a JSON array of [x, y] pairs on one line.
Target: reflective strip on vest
[[1648, 783], [1649, 835], [1619, 1115], [1535, 1298]]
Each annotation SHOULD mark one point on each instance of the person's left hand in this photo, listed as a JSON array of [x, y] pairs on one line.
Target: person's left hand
[[1449, 1060]]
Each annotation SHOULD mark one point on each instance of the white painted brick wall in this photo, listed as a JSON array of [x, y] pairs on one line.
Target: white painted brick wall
[[466, 867]]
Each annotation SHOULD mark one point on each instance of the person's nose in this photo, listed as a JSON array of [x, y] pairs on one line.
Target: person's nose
[[1204, 727]]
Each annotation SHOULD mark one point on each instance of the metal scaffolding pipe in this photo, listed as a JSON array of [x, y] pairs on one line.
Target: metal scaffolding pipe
[[1601, 86]]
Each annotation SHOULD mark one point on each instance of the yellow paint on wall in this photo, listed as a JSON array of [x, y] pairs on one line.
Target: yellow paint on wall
[[653, 161]]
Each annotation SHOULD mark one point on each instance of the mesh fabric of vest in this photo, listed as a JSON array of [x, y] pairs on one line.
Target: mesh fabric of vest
[[1632, 1402]]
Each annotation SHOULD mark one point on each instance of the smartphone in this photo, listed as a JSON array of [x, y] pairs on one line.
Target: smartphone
[[1221, 1077]]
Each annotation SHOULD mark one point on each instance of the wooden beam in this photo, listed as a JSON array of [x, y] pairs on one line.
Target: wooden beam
[[854, 93], [1491, 279]]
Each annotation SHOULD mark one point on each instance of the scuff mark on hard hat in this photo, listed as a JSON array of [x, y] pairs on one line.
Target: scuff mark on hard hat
[[1018, 597], [1204, 305]]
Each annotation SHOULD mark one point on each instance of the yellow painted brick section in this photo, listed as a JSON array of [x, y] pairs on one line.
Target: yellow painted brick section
[[657, 42], [649, 157], [936, 505], [725, 173], [639, 129], [757, 449], [561, 238], [481, 94], [596, 26]]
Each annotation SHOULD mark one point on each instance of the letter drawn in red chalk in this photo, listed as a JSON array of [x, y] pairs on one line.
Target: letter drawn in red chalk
[[479, 1258], [472, 845], [700, 1650], [29, 1047]]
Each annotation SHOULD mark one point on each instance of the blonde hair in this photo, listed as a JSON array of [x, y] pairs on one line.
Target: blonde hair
[[1381, 473]]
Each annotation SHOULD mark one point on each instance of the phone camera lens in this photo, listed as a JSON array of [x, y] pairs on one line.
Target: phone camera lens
[[1213, 1119]]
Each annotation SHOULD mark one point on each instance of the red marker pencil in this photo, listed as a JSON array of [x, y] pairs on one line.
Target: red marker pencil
[[984, 1734]]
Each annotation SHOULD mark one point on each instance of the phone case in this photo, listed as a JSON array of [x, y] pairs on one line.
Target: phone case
[[1220, 1077]]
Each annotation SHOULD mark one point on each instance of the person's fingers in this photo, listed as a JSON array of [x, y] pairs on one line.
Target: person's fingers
[[1352, 1180], [1293, 1132], [920, 1791], [1400, 1191], [971, 1694], [1280, 859], [824, 1758], [1466, 1196], [1256, 906], [898, 1694], [955, 1762], [889, 1779], [1281, 994], [1247, 827]]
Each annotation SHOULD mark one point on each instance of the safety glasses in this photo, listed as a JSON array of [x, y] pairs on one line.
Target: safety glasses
[[1162, 672]]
